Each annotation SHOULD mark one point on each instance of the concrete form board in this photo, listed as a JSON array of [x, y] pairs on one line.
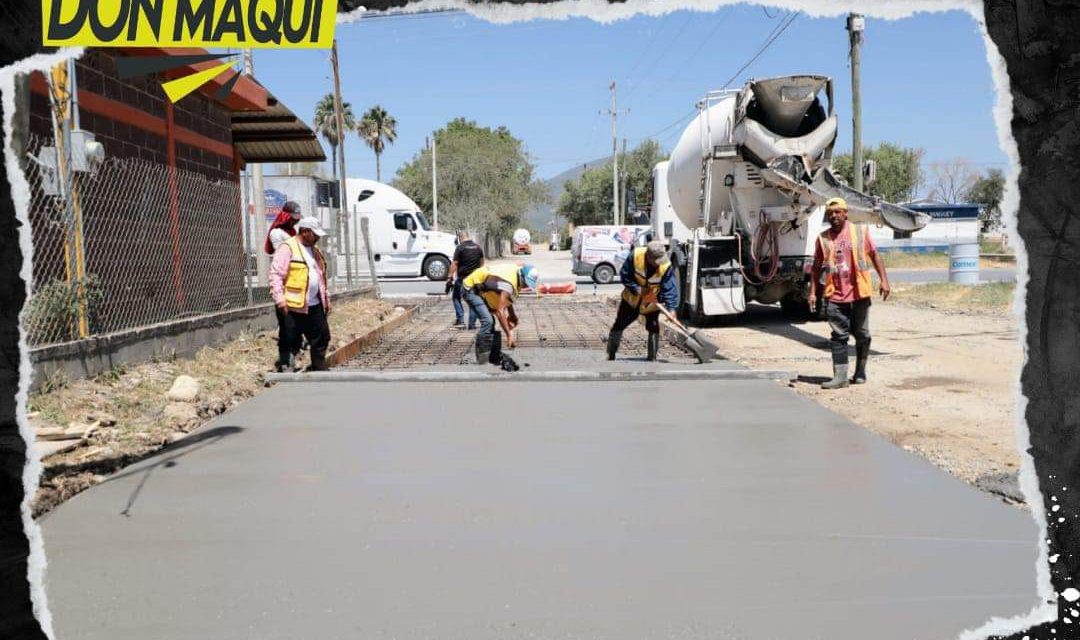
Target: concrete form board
[[733, 510]]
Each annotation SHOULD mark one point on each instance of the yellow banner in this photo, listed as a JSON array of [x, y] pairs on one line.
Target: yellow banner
[[236, 24]]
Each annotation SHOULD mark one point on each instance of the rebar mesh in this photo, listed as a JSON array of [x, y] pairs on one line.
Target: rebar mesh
[[136, 243]]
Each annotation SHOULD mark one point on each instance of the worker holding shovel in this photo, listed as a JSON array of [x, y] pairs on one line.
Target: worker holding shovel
[[648, 279]]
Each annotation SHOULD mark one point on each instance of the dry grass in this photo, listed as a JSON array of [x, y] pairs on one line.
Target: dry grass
[[992, 297], [130, 403], [901, 260]]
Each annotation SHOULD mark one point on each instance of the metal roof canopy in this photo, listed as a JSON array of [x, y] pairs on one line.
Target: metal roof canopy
[[274, 135]]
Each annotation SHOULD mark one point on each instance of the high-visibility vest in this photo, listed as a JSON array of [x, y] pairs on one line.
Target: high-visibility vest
[[297, 279], [507, 272], [647, 284], [862, 269]]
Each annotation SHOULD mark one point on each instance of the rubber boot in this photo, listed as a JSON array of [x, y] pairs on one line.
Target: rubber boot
[[495, 357], [653, 344], [483, 349], [839, 377], [613, 340], [862, 354], [318, 363]]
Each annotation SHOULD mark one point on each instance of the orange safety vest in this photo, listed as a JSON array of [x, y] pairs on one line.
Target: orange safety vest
[[296, 280], [650, 285], [864, 284]]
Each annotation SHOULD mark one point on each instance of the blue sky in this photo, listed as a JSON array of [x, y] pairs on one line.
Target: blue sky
[[926, 81]]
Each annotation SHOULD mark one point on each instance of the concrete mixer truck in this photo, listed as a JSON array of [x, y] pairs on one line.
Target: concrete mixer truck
[[741, 202]]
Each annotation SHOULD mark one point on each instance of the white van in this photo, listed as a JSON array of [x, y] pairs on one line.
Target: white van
[[598, 251], [401, 238]]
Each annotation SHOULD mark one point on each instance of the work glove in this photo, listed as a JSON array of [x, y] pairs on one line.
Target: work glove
[[449, 286]]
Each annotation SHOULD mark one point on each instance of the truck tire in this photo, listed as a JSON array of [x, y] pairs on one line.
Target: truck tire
[[603, 274], [436, 268]]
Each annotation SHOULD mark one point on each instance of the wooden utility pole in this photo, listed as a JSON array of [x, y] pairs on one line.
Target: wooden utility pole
[[343, 204], [855, 26]]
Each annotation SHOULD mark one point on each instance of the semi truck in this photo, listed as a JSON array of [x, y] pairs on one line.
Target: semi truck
[[741, 200]]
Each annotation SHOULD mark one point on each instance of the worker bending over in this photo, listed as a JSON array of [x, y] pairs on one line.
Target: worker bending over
[[844, 253], [491, 290], [647, 277]]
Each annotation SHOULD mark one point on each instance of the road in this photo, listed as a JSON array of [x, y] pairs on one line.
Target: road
[[733, 509]]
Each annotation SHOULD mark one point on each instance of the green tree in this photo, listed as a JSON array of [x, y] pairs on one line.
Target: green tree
[[486, 180], [899, 171], [377, 128], [588, 200], [988, 191], [325, 124]]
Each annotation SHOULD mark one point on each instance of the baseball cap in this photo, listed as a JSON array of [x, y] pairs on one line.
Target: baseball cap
[[292, 207], [530, 275], [657, 252], [311, 223], [836, 203]]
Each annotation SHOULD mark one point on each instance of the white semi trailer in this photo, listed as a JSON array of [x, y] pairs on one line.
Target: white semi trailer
[[748, 181]]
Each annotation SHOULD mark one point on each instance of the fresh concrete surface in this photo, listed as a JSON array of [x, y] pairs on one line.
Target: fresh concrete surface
[[547, 510]]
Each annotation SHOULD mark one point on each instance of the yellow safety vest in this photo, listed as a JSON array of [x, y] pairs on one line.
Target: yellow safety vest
[[297, 279], [647, 284], [864, 284], [507, 272]]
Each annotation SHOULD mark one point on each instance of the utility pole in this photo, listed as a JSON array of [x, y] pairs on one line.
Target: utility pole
[[625, 177], [434, 184], [855, 26], [258, 197], [343, 206], [614, 157]]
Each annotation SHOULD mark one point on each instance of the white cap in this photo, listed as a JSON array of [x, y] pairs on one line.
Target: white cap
[[311, 223]]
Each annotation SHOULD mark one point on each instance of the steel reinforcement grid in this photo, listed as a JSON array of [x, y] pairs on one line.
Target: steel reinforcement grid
[[547, 322]]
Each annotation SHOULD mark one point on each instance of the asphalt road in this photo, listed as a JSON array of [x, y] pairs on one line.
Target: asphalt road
[[543, 510]]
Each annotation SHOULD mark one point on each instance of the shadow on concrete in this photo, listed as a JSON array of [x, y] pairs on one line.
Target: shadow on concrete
[[171, 454]]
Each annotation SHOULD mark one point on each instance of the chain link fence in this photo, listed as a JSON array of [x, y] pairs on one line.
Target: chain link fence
[[135, 244]]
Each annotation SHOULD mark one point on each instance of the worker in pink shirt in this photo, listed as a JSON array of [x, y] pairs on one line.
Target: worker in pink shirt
[[298, 286], [845, 252]]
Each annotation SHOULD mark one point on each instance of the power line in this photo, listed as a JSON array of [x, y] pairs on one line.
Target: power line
[[776, 33]]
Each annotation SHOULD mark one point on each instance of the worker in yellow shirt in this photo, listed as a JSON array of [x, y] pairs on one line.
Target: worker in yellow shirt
[[490, 292]]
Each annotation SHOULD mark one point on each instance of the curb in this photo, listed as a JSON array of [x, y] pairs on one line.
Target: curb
[[529, 376]]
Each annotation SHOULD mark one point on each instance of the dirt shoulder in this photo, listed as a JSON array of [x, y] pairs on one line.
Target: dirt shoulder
[[126, 415], [942, 383]]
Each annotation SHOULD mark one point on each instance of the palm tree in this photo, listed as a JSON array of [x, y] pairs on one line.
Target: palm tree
[[325, 123], [377, 128]]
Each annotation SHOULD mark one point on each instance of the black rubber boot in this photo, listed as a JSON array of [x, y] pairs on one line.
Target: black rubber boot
[[483, 349], [613, 340], [495, 357], [318, 363], [654, 346], [862, 354], [839, 377]]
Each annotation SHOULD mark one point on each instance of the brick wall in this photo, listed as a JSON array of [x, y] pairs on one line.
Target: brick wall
[[97, 74]]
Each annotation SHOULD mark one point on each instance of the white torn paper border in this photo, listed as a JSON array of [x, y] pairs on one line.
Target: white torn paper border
[[603, 12], [20, 196]]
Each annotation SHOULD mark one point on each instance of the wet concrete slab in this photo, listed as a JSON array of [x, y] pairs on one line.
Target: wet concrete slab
[[547, 510]]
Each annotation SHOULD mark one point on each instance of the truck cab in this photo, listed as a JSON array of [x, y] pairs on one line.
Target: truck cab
[[403, 243]]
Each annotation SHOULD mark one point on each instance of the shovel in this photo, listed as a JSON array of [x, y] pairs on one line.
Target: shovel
[[703, 348]]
